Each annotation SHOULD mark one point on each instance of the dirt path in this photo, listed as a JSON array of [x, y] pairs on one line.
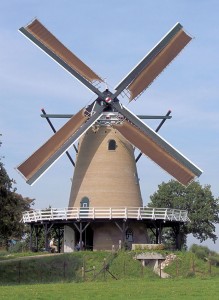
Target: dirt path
[[28, 257]]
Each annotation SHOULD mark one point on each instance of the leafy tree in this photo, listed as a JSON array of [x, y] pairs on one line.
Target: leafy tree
[[202, 207], [11, 207]]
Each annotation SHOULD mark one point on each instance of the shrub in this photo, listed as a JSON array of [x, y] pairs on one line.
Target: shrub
[[214, 260], [201, 252], [190, 274], [20, 246]]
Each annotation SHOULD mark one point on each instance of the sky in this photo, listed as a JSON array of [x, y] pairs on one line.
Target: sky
[[111, 37]]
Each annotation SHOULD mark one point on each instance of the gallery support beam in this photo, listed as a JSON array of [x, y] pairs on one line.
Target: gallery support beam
[[81, 229], [123, 227]]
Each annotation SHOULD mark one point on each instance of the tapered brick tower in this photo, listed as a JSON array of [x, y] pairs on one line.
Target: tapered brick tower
[[105, 174]]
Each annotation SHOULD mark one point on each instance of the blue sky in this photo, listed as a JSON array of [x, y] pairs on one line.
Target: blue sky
[[111, 37]]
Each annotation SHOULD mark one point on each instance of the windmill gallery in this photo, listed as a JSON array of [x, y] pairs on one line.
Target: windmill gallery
[[105, 206]]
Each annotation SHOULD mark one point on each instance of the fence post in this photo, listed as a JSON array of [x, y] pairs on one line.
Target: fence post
[[124, 267], [177, 267], [64, 269], [19, 272], [83, 273], [104, 268], [40, 272], [209, 260], [193, 264], [94, 271]]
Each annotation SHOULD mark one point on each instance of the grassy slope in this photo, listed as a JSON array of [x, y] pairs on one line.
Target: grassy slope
[[190, 278], [187, 265], [68, 267]]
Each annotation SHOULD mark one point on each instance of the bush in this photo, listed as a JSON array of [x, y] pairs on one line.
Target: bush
[[19, 246], [190, 274], [201, 252], [214, 260]]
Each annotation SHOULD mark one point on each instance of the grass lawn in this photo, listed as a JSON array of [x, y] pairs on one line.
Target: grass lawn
[[193, 288]]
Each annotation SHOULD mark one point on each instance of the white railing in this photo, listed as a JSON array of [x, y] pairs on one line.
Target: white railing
[[76, 213]]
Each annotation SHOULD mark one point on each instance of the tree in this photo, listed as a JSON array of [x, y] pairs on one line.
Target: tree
[[11, 207], [202, 207]]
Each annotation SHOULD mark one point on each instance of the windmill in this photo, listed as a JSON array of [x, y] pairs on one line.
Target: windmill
[[105, 173]]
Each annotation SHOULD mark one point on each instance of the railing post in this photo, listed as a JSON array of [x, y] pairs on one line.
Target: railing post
[[165, 216], [172, 214], [78, 213], [180, 215], [153, 213], [34, 213], [139, 213], [40, 215], [65, 213], [126, 213]]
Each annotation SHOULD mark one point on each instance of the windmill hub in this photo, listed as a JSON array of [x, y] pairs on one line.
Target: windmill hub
[[108, 99]]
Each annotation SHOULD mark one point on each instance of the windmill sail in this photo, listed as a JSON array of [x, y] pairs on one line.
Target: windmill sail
[[40, 161], [47, 42], [156, 148], [154, 62]]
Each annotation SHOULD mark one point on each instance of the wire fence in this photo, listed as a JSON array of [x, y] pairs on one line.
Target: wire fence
[[77, 268]]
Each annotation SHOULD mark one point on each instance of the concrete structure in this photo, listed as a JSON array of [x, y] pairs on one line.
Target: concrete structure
[[154, 261], [69, 239]]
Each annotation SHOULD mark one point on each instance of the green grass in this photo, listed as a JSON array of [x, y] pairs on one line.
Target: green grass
[[194, 288]]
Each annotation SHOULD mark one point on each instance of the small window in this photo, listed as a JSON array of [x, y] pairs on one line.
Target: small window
[[85, 202], [112, 145]]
